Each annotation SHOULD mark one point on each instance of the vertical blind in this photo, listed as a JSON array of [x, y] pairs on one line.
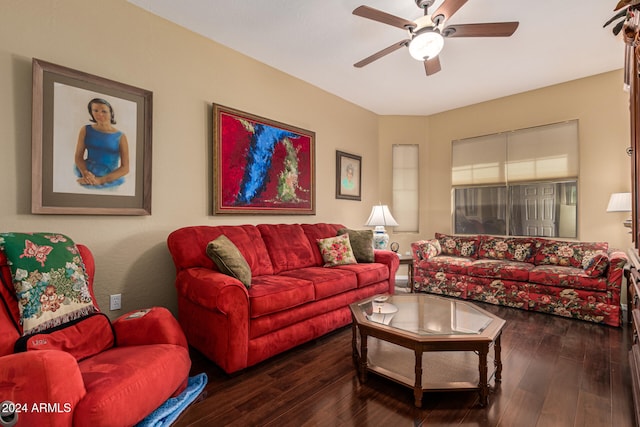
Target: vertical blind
[[533, 154], [405, 187]]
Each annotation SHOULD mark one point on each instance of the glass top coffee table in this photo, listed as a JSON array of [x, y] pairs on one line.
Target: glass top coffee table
[[426, 342]]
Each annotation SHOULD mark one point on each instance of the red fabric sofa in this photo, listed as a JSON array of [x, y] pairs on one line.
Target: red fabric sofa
[[581, 280], [292, 298], [147, 364]]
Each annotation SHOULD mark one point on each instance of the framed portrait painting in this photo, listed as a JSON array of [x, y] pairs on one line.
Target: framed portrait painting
[[91, 144], [348, 176], [261, 166]]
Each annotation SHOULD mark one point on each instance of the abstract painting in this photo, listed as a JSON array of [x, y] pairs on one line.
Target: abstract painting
[[261, 166]]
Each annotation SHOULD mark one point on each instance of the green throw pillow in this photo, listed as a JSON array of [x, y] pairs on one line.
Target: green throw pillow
[[336, 251], [361, 243], [49, 279], [229, 260]]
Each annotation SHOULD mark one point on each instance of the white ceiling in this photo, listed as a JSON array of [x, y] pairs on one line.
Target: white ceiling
[[318, 41]]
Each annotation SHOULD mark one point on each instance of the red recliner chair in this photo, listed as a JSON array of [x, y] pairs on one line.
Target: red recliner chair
[[142, 361]]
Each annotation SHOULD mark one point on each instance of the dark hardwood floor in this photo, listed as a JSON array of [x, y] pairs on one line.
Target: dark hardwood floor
[[556, 372]]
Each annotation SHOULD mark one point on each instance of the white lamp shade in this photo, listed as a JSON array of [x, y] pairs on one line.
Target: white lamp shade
[[426, 45], [381, 216], [619, 202]]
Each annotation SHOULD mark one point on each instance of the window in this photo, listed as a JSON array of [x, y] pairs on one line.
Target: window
[[521, 183], [405, 177]]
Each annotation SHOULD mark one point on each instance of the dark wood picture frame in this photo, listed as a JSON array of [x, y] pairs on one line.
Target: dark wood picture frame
[[348, 176], [261, 166], [61, 99]]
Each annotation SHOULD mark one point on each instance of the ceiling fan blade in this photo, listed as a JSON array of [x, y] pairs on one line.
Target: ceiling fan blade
[[384, 17], [432, 66], [447, 9], [490, 29], [380, 54]]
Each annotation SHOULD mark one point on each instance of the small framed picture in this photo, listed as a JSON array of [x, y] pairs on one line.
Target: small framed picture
[[348, 176]]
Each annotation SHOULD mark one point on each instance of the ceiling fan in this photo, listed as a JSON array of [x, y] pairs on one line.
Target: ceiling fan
[[427, 33]]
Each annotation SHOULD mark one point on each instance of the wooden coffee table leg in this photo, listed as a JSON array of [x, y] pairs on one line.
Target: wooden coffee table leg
[[483, 385], [498, 361], [363, 356], [417, 388], [354, 345]]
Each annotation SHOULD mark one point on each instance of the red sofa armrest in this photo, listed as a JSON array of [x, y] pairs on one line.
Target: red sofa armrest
[[392, 261], [213, 290], [617, 260], [34, 379], [214, 313], [149, 326]]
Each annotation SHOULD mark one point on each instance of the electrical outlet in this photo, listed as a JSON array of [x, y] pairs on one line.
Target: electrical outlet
[[115, 302]]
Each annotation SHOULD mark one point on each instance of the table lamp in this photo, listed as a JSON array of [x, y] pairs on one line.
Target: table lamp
[[379, 218], [620, 202]]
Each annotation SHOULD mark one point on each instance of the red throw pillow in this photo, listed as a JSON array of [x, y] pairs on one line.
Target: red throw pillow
[[597, 265], [81, 338]]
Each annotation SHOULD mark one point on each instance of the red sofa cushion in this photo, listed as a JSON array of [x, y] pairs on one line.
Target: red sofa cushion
[[447, 264], [326, 281], [367, 274], [509, 270], [271, 294], [188, 246], [125, 384], [566, 277], [287, 246]]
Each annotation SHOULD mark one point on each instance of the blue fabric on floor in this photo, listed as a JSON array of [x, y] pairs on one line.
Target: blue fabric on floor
[[170, 410]]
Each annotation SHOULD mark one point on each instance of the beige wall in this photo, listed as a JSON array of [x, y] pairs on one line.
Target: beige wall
[[598, 102], [187, 73]]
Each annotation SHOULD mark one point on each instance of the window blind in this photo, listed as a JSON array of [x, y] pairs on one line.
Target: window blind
[[533, 154], [405, 178]]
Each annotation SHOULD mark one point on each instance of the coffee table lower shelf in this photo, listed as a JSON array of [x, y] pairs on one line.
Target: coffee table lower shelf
[[429, 368]]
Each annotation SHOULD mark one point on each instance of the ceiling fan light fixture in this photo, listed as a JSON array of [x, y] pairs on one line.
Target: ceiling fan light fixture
[[426, 45]]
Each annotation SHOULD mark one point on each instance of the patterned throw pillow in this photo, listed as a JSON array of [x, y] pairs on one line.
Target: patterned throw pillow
[[49, 278], [595, 264], [458, 245], [565, 254], [511, 249], [229, 260], [361, 242], [336, 251], [426, 249]]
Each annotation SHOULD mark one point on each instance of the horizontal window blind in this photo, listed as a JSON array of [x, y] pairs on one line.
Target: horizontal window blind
[[544, 152], [479, 160], [405, 187], [533, 154]]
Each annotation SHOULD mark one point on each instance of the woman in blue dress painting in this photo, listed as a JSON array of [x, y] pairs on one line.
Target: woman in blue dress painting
[[102, 152]]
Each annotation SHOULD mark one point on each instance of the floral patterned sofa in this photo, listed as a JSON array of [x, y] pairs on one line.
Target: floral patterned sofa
[[581, 280]]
